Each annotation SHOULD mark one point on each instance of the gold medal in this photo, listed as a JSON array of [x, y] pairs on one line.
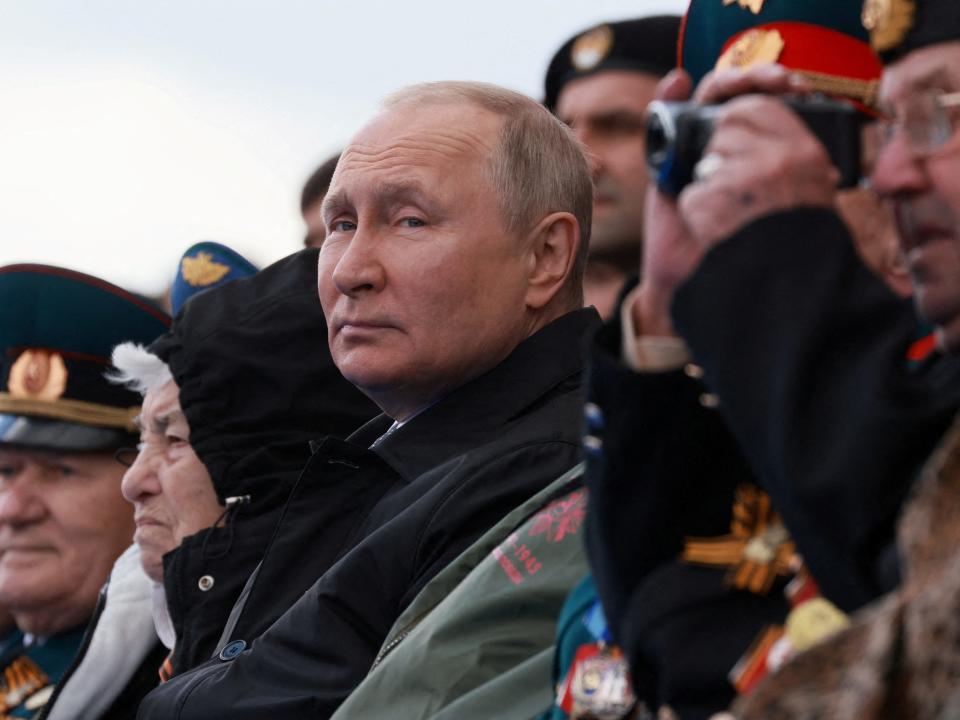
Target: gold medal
[[813, 621]]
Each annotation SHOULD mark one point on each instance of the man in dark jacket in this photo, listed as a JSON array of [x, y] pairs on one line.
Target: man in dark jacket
[[451, 280], [673, 567]]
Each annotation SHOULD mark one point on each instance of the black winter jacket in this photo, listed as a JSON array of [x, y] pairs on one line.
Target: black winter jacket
[[257, 385], [404, 506], [808, 352]]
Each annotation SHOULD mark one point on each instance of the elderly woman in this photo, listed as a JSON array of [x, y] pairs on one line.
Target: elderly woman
[[233, 395]]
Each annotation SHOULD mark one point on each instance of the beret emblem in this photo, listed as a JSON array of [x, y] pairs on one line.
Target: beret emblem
[[591, 48], [202, 270]]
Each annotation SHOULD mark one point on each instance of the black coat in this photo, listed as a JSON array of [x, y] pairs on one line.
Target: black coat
[[664, 467], [257, 384], [400, 512], [807, 351]]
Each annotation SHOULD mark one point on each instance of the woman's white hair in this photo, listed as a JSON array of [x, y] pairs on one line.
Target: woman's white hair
[[138, 368]]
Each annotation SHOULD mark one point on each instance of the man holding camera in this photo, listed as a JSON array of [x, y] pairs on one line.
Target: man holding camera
[[664, 471], [899, 658]]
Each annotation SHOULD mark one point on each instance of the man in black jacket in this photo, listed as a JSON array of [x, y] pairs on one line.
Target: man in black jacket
[[665, 469], [450, 277]]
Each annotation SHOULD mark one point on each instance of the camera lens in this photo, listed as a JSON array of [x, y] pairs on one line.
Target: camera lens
[[661, 135]]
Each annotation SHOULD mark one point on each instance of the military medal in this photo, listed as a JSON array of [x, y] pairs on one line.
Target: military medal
[[598, 685], [22, 679]]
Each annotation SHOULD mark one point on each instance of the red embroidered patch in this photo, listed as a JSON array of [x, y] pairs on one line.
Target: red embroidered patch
[[561, 518]]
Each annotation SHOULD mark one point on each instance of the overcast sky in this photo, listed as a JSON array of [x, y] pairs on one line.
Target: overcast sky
[[129, 131]]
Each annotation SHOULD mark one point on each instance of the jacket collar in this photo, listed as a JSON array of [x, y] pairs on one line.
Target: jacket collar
[[479, 409]]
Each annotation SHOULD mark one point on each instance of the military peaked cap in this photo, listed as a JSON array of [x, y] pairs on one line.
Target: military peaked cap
[[57, 330], [824, 40]]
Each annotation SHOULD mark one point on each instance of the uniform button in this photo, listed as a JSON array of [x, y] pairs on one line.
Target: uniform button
[[205, 583], [593, 415], [593, 445], [693, 371], [232, 650], [709, 400]]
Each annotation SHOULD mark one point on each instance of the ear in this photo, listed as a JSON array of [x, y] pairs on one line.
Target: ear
[[552, 246]]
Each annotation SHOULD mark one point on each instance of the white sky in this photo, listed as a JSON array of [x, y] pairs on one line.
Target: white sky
[[129, 131]]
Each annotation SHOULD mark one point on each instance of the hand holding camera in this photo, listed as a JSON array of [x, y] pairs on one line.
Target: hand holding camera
[[761, 158]]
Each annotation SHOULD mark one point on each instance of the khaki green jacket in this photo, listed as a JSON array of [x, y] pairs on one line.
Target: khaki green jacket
[[478, 641]]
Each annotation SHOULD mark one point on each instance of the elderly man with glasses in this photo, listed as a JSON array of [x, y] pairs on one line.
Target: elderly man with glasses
[[837, 394]]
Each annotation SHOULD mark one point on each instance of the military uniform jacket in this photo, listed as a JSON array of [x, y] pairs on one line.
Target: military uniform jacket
[[402, 510], [662, 466], [807, 351]]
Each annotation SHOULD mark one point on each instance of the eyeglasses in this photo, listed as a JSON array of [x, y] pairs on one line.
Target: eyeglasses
[[929, 121]]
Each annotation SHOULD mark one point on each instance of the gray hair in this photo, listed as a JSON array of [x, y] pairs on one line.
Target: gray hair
[[138, 369], [538, 166]]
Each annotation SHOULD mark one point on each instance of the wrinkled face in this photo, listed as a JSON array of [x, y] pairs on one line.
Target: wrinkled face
[[875, 237], [422, 286], [63, 522], [925, 186], [171, 490], [607, 111]]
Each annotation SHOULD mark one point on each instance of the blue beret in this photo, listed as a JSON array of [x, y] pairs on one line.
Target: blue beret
[[207, 265]]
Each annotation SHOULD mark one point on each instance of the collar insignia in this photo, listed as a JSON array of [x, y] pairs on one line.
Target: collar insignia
[[754, 6], [38, 375], [201, 270], [755, 47], [591, 48], [888, 21]]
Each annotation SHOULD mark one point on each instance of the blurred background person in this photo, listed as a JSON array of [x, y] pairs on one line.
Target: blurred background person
[[311, 201], [599, 83], [63, 522]]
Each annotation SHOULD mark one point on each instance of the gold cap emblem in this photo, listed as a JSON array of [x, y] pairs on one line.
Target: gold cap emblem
[[754, 47], [38, 375], [754, 6], [591, 48], [888, 22], [201, 270]]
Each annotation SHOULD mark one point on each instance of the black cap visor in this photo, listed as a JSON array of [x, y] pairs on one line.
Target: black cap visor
[[36, 432]]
